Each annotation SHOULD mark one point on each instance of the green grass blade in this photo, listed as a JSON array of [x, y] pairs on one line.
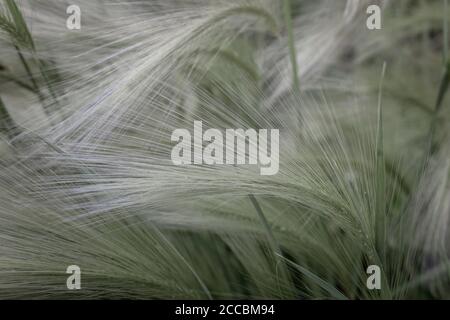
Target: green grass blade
[[30, 74], [335, 293], [273, 242], [20, 24], [7, 123], [443, 88], [291, 43], [445, 35], [380, 211], [18, 82], [266, 225]]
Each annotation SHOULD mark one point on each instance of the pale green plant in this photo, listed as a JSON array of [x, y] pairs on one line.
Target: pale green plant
[[95, 186]]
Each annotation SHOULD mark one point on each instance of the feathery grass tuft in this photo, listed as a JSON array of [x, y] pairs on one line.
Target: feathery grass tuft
[[86, 176]]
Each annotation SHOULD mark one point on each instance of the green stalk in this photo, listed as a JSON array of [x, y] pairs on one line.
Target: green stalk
[[17, 82], [328, 287], [29, 73], [380, 212], [20, 30], [22, 37], [291, 42], [5, 119], [44, 68], [272, 241], [266, 225], [443, 88], [336, 294], [188, 265], [445, 35]]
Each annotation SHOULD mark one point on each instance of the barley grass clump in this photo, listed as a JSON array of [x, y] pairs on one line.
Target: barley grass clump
[[86, 176]]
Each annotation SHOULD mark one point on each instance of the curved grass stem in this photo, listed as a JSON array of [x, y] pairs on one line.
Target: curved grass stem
[[29, 73], [291, 42], [272, 241], [443, 87], [6, 122], [380, 214]]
